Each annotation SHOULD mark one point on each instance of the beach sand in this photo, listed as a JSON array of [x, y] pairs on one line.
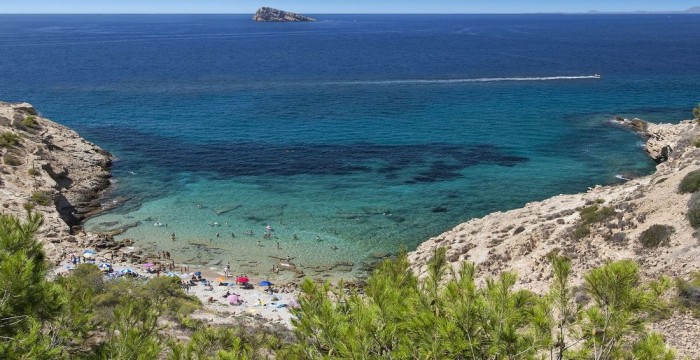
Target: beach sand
[[256, 305]]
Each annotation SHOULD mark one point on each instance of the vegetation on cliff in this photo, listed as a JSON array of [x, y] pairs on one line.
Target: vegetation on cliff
[[446, 315]]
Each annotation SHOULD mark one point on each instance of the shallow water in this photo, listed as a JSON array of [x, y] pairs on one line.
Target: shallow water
[[359, 135]]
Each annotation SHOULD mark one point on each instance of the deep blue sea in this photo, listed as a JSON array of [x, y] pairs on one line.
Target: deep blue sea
[[348, 136]]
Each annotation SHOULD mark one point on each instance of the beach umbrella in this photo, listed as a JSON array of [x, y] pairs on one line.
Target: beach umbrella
[[265, 283], [232, 299], [89, 255], [185, 276], [149, 265], [104, 266], [242, 279], [170, 274], [198, 273], [89, 251]]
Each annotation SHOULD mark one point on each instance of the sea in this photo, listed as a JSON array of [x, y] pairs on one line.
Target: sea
[[335, 143]]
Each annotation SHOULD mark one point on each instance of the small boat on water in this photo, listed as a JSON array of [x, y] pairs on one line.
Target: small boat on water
[[597, 76]]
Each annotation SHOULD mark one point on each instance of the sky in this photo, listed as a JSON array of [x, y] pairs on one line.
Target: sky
[[338, 6]]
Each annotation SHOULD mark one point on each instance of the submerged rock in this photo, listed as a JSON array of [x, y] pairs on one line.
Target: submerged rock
[[270, 14]]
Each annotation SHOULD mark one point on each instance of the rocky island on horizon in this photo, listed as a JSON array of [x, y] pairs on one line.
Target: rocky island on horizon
[[268, 14]]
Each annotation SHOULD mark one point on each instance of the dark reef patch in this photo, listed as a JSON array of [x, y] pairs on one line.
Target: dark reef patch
[[411, 163]]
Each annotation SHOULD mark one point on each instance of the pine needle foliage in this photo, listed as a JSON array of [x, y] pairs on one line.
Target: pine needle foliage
[[448, 315]]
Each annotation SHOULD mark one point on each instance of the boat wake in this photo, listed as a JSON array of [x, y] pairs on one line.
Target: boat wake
[[457, 81]]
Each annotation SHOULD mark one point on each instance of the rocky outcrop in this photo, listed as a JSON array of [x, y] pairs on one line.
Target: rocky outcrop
[[521, 239], [53, 170], [275, 15], [661, 139]]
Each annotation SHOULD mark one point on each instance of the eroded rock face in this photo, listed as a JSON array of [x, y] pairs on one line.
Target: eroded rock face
[[69, 172], [270, 14]]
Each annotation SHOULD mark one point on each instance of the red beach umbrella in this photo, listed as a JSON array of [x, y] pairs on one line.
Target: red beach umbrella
[[242, 279]]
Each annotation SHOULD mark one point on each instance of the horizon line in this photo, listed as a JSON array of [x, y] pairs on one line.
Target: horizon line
[[589, 12]]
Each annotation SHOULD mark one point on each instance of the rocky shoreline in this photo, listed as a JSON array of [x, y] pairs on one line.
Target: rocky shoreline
[[51, 169], [521, 239]]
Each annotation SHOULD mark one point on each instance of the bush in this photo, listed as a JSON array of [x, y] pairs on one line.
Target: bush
[[593, 214], [33, 172], [656, 235], [41, 198], [11, 160], [581, 231], [696, 143], [30, 122], [689, 293], [696, 112], [8, 138], [690, 183], [694, 211]]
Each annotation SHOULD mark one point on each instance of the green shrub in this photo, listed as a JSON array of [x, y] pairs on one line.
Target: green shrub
[[33, 171], [690, 183], [41, 198], [11, 160], [656, 235], [8, 138], [30, 122], [696, 143], [581, 231], [694, 210], [689, 293], [696, 112], [593, 214]]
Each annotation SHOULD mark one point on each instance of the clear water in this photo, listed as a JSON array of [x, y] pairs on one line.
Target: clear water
[[358, 133]]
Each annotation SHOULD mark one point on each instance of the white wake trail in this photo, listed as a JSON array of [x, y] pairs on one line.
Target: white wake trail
[[456, 81]]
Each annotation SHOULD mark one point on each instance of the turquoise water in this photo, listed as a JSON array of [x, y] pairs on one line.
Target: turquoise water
[[358, 135]]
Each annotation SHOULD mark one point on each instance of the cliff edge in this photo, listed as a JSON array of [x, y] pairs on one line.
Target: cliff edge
[[276, 15], [51, 169], [605, 223]]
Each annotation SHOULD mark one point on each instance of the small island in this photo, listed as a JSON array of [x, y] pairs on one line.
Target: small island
[[276, 15]]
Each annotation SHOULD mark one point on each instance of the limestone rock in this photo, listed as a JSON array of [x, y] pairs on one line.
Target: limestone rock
[[57, 162]]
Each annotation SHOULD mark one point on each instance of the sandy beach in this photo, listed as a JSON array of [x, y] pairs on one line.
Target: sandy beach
[[268, 309]]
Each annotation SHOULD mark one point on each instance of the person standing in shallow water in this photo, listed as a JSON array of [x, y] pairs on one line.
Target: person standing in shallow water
[[172, 236]]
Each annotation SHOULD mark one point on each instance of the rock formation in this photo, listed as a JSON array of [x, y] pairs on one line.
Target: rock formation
[[270, 14], [52, 169], [520, 240]]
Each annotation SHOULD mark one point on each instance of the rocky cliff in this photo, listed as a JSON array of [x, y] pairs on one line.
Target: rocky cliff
[[520, 240], [270, 14], [52, 169]]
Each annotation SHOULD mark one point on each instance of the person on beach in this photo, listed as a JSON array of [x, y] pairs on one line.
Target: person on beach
[[278, 246], [218, 235], [227, 270], [259, 244], [295, 237], [233, 235], [172, 236]]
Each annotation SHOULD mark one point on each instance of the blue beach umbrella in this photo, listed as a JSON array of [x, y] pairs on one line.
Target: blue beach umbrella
[[265, 283], [197, 273]]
